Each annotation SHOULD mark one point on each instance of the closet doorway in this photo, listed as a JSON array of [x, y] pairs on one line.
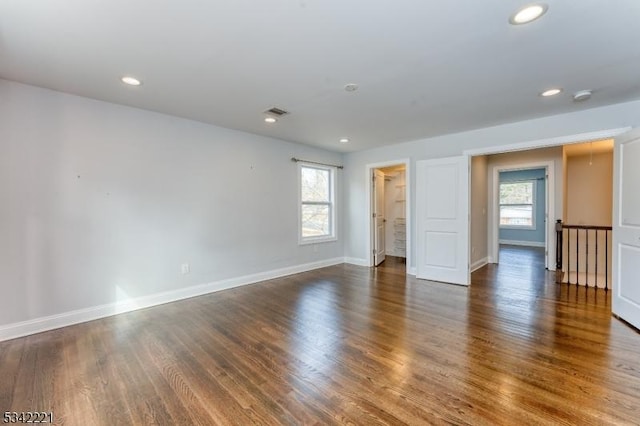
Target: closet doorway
[[389, 214]]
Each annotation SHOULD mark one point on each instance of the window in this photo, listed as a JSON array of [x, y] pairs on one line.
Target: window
[[517, 204], [317, 203]]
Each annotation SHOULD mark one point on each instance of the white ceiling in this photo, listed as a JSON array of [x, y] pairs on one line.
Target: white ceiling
[[424, 67]]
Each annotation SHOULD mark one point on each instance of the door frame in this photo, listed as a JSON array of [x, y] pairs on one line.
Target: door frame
[[369, 210], [549, 232], [544, 143], [379, 174]]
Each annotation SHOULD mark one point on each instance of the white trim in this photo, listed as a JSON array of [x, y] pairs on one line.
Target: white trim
[[534, 205], [550, 209], [522, 243], [527, 145], [333, 186], [549, 142], [543, 143], [356, 261], [479, 264], [412, 271], [38, 325], [369, 209]]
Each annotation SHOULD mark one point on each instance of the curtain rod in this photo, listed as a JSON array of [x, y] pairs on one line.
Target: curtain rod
[[298, 160]]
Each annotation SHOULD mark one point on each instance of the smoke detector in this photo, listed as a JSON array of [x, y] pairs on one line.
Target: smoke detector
[[582, 95]]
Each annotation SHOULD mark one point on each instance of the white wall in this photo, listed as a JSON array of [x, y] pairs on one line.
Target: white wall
[[101, 203], [590, 120]]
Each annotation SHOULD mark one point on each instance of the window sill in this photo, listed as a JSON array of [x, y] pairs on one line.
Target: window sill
[[519, 228], [317, 240]]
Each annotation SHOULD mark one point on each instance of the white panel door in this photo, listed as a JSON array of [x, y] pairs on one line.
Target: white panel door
[[379, 252], [626, 228], [442, 190]]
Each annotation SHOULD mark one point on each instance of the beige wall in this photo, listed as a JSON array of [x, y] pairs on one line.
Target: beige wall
[[589, 190], [479, 249], [588, 201]]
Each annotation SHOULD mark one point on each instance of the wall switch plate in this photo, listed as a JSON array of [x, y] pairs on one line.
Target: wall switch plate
[[185, 268]]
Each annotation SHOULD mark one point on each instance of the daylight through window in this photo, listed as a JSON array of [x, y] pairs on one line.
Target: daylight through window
[[317, 203], [517, 200]]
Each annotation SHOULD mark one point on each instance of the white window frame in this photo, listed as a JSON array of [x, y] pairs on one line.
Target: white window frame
[[534, 190], [333, 227]]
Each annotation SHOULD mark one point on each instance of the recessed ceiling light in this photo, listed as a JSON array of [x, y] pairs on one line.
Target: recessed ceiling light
[[270, 120], [131, 81], [344, 140], [551, 92], [528, 14], [351, 87]]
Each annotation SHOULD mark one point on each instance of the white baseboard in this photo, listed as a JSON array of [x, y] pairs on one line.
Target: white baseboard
[[522, 243], [479, 264], [38, 325], [490, 259], [412, 271], [356, 261]]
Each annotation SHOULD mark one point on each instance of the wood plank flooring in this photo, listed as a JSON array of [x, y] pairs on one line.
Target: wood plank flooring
[[343, 345]]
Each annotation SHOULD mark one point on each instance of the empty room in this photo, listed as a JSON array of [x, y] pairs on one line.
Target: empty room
[[319, 212]]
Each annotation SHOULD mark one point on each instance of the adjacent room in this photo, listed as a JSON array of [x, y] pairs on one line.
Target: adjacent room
[[319, 212]]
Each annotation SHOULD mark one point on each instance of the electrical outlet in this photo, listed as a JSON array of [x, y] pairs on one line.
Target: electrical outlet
[[185, 268]]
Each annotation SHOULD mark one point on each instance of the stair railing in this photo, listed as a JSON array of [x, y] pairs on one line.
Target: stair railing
[[580, 255]]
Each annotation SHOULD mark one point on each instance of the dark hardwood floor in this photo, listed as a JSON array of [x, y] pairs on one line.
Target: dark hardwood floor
[[343, 345]]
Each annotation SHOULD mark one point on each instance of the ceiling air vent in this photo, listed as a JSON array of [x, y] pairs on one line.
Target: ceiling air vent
[[276, 112]]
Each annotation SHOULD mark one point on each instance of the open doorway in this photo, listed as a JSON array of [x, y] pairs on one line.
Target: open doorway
[[389, 214], [578, 182], [528, 222], [520, 213]]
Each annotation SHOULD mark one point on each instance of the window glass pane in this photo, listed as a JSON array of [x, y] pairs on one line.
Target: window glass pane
[[516, 215], [315, 220], [516, 193], [315, 185]]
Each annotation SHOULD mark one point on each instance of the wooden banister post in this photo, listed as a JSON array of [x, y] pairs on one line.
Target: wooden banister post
[[559, 246]]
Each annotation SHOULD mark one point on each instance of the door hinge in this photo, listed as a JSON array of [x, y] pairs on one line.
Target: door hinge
[[374, 252], [374, 215]]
